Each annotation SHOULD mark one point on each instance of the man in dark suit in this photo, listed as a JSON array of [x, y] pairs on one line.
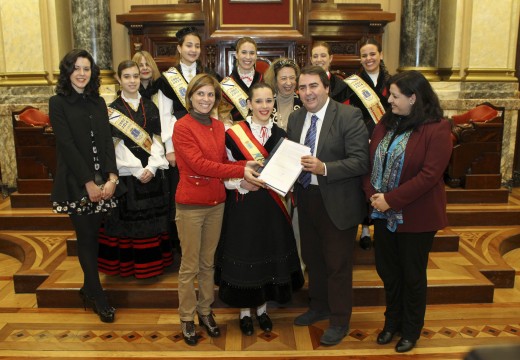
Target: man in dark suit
[[330, 199]]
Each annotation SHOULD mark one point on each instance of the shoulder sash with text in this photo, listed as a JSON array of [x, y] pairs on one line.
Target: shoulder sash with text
[[367, 96], [235, 93], [178, 84], [128, 127]]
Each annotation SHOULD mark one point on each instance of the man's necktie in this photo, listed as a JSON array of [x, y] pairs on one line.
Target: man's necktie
[[310, 141]]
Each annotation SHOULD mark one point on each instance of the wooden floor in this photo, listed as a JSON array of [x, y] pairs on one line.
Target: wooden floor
[[30, 331]]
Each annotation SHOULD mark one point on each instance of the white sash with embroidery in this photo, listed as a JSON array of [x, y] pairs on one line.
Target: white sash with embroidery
[[178, 84], [128, 127], [367, 96], [235, 93]]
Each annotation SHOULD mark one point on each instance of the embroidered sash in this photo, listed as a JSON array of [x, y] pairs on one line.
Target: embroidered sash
[[367, 96], [235, 93], [253, 150], [128, 127], [178, 84]]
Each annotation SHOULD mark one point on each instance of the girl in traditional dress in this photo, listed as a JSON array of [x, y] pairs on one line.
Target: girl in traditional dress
[[257, 259], [233, 107], [135, 238]]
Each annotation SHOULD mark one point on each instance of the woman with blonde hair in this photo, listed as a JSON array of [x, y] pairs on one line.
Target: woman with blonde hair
[[282, 76], [149, 73]]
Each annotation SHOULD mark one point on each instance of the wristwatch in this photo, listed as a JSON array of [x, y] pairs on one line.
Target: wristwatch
[[115, 181]]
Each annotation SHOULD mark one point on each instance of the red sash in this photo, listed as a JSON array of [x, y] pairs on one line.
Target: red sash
[[242, 135]]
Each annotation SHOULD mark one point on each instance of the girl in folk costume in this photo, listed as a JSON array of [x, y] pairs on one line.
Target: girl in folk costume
[[256, 266], [321, 56], [135, 238], [236, 86], [282, 76], [370, 93], [375, 76], [149, 73], [172, 87]]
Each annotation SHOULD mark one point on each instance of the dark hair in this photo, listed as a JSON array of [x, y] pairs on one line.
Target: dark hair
[[271, 74], [258, 85], [316, 70], [425, 109], [181, 36], [199, 81], [126, 64], [67, 64], [382, 66], [188, 30]]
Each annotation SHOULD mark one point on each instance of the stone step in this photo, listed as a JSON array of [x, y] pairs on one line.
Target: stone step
[[452, 279]]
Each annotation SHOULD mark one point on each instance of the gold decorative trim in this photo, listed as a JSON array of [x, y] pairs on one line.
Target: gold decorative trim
[[108, 77], [24, 78], [483, 74], [430, 73]]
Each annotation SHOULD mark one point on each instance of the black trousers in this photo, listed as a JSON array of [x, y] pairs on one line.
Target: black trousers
[[87, 231], [401, 262], [328, 254]]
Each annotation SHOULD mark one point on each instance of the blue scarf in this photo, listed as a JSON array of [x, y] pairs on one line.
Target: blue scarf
[[386, 178]]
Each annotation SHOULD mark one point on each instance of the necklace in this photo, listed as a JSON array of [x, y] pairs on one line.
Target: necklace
[[130, 112]]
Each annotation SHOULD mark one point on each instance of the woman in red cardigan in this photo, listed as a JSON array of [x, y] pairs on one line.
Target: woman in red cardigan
[[200, 149], [409, 151]]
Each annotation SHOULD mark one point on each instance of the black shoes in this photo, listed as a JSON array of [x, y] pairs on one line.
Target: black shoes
[[333, 335], [106, 313], [189, 333], [365, 243], [404, 345], [265, 322], [209, 323], [384, 337], [246, 326]]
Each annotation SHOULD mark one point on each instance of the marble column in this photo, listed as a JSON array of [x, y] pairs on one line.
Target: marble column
[[419, 37], [91, 31]]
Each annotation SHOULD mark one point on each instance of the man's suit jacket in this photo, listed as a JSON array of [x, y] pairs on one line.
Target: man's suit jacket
[[343, 147]]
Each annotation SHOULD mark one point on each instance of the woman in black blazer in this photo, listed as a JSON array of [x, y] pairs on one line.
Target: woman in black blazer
[[86, 175]]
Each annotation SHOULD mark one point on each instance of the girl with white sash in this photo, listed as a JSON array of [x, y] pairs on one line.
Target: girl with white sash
[[373, 76], [236, 86], [135, 238]]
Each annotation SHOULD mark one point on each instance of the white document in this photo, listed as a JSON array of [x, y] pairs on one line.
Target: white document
[[284, 165]]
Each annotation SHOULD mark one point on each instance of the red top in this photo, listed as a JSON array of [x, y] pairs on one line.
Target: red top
[[200, 152], [421, 193]]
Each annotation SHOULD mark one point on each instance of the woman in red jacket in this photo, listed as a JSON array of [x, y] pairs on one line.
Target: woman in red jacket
[[409, 151], [199, 142]]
